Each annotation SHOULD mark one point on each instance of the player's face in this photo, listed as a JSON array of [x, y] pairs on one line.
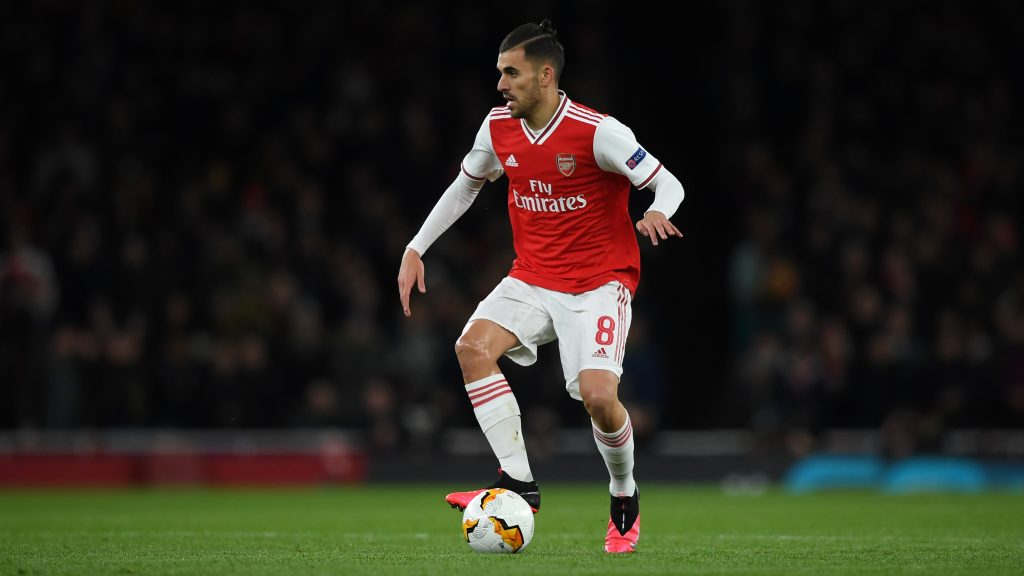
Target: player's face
[[519, 82]]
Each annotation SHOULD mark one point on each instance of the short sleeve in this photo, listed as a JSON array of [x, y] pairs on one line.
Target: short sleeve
[[482, 163], [616, 150]]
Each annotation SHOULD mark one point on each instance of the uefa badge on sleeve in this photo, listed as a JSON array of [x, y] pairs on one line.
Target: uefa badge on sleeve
[[566, 164]]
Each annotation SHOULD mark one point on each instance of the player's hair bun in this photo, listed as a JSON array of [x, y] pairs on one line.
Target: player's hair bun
[[547, 27]]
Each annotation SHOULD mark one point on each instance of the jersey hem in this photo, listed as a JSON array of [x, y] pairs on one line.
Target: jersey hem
[[573, 288]]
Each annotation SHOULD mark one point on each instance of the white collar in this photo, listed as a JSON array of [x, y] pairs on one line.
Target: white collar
[[539, 136]]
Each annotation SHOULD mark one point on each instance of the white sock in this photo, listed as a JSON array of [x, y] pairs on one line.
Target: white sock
[[617, 450], [498, 413]]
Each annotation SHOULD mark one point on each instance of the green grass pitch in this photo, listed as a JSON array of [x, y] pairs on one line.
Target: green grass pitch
[[393, 529]]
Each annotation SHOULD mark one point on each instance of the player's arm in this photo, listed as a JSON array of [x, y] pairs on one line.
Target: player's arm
[[449, 208], [616, 150], [668, 194]]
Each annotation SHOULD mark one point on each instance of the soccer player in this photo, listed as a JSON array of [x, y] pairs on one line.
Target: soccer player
[[577, 263]]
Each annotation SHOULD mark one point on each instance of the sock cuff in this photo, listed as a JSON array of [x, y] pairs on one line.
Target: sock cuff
[[486, 390], [615, 439], [484, 382], [492, 400]]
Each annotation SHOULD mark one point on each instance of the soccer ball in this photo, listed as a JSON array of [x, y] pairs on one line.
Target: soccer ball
[[497, 521]]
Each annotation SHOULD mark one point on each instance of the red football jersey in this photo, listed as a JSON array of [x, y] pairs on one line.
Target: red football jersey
[[568, 195]]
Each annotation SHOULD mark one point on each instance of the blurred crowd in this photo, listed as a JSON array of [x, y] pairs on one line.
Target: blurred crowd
[[877, 279], [203, 209]]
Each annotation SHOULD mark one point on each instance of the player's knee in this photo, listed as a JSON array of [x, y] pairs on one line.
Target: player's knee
[[599, 401], [471, 351]]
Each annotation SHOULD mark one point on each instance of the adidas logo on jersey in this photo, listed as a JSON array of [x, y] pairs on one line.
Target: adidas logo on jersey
[[511, 161], [599, 354]]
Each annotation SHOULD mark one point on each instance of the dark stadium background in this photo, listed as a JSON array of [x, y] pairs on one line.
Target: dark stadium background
[[204, 206]]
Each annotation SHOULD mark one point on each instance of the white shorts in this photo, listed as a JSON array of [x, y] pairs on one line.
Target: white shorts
[[590, 327]]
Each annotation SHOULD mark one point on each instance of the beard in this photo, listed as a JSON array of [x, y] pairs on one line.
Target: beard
[[527, 102]]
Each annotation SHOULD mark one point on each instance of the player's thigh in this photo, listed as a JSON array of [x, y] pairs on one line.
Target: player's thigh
[[592, 329], [519, 309], [487, 336]]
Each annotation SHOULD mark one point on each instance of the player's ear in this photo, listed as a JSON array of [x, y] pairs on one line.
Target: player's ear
[[547, 74]]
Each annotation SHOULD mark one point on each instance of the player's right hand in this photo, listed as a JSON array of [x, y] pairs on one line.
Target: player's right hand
[[409, 273]]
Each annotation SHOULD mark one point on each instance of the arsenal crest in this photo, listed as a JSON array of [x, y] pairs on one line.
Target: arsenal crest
[[566, 164]]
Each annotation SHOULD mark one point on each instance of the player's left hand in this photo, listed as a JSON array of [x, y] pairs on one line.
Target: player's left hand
[[655, 225], [410, 273]]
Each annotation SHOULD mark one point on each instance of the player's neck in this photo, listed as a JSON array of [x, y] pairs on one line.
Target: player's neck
[[541, 115]]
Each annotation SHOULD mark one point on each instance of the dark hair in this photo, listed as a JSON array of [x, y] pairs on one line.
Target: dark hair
[[540, 44]]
